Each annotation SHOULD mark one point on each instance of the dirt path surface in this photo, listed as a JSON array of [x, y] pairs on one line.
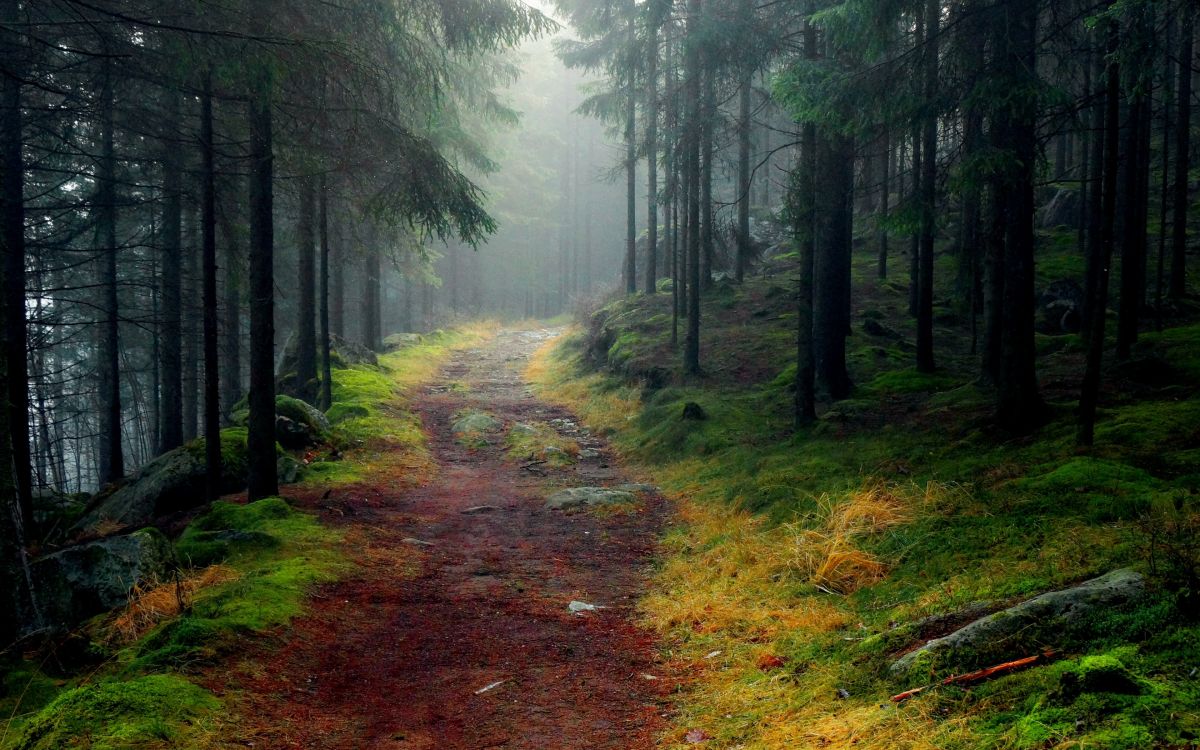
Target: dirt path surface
[[395, 659]]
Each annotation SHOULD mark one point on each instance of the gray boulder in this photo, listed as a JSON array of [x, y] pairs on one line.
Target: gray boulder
[[577, 497], [474, 422], [352, 352], [399, 341], [1049, 619], [172, 482], [78, 582]]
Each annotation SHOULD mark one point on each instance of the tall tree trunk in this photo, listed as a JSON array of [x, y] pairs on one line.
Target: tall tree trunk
[[337, 283], [231, 341], [326, 398], [1102, 249], [834, 193], [744, 186], [691, 347], [925, 361], [171, 328], [1018, 404], [631, 166], [208, 222], [263, 472], [1134, 241], [191, 332], [12, 213], [111, 455], [652, 159], [1097, 172], [1183, 131], [805, 216], [885, 196], [706, 174], [914, 244], [372, 337], [306, 297]]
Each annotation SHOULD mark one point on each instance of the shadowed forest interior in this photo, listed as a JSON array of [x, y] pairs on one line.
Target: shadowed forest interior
[[639, 373]]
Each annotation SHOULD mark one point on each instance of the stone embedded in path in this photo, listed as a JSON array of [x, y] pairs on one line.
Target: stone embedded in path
[[474, 422], [474, 509], [1046, 620], [577, 497], [636, 487]]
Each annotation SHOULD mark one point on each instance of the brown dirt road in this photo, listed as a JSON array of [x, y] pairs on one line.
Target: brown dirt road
[[393, 659]]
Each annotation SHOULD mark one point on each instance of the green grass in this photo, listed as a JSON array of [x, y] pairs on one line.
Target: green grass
[[986, 520]]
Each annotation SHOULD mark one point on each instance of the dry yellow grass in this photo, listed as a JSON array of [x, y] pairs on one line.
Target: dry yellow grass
[[153, 602]]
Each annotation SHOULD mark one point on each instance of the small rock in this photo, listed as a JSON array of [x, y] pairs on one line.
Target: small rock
[[578, 606], [416, 542], [475, 509], [586, 496], [694, 412]]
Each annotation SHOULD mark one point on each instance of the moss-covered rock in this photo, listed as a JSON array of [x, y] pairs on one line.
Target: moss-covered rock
[[77, 582]]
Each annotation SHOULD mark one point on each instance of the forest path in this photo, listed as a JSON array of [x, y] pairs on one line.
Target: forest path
[[398, 661]]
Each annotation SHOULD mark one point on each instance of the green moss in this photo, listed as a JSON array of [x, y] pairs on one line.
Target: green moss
[[150, 711], [1103, 490], [234, 454], [911, 381]]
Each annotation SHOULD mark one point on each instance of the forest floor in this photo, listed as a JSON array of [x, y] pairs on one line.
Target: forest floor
[[463, 583]]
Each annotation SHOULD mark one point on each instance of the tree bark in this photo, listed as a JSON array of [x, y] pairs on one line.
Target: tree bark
[[171, 327], [691, 346], [306, 297], [1177, 286], [925, 361], [631, 167], [111, 455], [744, 186], [652, 159], [885, 196], [231, 341], [835, 164], [326, 397], [1102, 249], [805, 406], [263, 472], [208, 222]]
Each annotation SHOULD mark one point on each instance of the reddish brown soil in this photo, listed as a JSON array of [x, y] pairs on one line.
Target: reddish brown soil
[[393, 656]]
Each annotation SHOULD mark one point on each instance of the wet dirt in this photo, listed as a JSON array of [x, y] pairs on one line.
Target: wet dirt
[[455, 631]]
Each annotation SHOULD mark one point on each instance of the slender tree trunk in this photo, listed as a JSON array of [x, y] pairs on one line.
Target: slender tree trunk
[[306, 298], [1134, 242], [805, 187], [834, 193], [706, 174], [744, 186], [12, 234], [111, 456], [691, 348], [652, 160], [631, 167], [212, 381], [263, 474], [925, 361], [191, 332], [885, 196], [1177, 287], [1097, 172], [171, 328], [337, 284], [1102, 249], [231, 342], [326, 399], [372, 337], [914, 245]]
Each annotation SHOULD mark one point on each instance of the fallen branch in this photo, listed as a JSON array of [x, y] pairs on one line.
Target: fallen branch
[[971, 678]]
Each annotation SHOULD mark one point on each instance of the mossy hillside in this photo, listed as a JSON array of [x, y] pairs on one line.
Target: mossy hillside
[[988, 520]]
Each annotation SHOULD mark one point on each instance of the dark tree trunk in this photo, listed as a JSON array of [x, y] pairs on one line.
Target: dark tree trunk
[[706, 174], [191, 332], [1097, 172], [885, 197], [372, 336], [337, 284], [805, 186], [925, 361], [744, 186], [231, 341], [111, 454], [305, 383], [208, 222], [1102, 249], [691, 347], [834, 193], [1134, 241], [171, 328], [631, 168], [12, 234], [263, 472], [914, 242], [326, 398], [1018, 403], [1177, 287], [652, 160]]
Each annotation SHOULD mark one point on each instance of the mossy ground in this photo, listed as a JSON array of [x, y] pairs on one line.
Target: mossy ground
[[144, 694], [801, 558]]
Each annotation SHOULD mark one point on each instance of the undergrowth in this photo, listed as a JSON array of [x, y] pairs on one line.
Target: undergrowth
[[801, 564]]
